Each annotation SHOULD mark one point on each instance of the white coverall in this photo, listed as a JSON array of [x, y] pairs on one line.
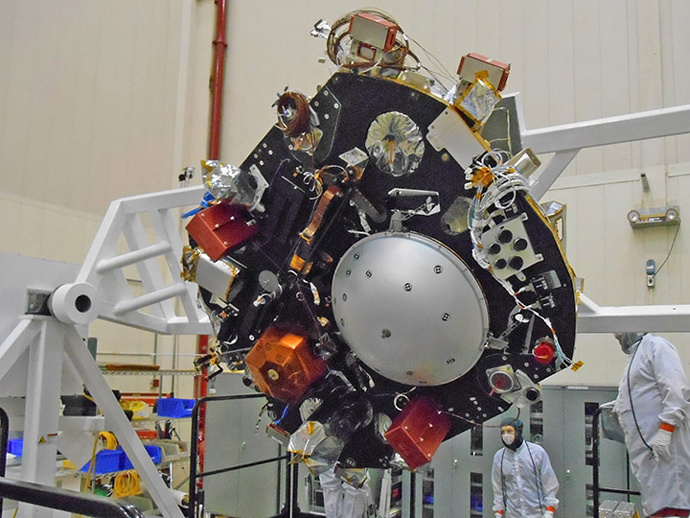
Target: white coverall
[[529, 486], [342, 500], [660, 392]]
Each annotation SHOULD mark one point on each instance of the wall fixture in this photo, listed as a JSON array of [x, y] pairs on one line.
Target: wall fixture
[[654, 216]]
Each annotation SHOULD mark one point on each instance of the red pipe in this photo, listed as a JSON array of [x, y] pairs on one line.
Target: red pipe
[[217, 76], [219, 47]]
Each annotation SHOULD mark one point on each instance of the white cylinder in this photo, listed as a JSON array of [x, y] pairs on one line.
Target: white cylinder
[[76, 303]]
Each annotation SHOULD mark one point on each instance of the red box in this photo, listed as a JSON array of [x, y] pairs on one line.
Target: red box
[[473, 62], [221, 228], [418, 431], [283, 365], [374, 30]]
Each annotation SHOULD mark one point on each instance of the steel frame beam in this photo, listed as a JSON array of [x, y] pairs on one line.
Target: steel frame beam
[[565, 142]]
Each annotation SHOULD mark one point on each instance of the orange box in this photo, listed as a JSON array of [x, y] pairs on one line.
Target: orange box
[[374, 30], [221, 228], [474, 62], [418, 431], [283, 365]]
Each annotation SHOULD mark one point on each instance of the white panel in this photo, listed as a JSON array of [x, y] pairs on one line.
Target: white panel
[[561, 71], [535, 60], [615, 76], [589, 256], [678, 28], [615, 272], [487, 40], [586, 35], [81, 59], [650, 76], [511, 37], [88, 99]]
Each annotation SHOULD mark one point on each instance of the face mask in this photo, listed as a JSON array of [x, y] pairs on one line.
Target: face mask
[[627, 340], [508, 438]]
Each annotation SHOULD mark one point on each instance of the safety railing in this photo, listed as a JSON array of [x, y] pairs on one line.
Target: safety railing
[[290, 507], [596, 488], [53, 498]]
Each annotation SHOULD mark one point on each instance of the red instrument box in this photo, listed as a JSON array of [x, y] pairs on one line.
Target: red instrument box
[[418, 431], [221, 228], [283, 365], [474, 62], [373, 30]]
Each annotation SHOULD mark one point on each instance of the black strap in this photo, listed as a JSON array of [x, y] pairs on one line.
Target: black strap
[[632, 407]]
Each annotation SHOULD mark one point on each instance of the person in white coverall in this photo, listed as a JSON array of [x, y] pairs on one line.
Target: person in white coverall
[[343, 500], [653, 406], [524, 482]]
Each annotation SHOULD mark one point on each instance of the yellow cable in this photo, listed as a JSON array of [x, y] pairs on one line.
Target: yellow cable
[[110, 442], [126, 483]]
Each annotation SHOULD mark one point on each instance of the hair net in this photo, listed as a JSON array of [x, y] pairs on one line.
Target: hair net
[[514, 422], [627, 340]]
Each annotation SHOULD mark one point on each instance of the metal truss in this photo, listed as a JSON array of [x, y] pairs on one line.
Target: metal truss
[[565, 142]]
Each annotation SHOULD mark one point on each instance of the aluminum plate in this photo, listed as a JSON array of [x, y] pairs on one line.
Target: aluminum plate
[[410, 308]]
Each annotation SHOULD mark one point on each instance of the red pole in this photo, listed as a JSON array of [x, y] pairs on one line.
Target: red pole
[[219, 46], [217, 76]]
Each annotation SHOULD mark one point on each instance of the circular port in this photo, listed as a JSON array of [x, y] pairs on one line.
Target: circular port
[[501, 381], [494, 249], [520, 244], [544, 352], [505, 236], [516, 262], [532, 394], [500, 264]]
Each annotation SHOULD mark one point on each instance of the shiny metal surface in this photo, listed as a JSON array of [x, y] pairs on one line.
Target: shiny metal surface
[[410, 308]]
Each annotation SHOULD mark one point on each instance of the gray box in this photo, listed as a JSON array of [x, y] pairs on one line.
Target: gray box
[[624, 510], [607, 508]]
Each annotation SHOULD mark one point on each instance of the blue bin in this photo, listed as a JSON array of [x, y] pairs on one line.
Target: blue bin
[[107, 461], [153, 451], [15, 446], [175, 407]]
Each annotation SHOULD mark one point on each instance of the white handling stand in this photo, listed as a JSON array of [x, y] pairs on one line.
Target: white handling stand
[[50, 343], [102, 290]]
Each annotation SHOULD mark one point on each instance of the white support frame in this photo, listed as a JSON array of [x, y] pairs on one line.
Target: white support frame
[[565, 142], [52, 340], [104, 265], [49, 343]]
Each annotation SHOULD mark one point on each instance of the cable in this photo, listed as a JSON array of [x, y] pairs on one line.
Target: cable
[[497, 180], [632, 407], [109, 439], [538, 479], [126, 483], [669, 252]]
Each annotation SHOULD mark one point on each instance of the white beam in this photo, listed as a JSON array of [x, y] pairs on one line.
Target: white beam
[[611, 130], [592, 318], [121, 427]]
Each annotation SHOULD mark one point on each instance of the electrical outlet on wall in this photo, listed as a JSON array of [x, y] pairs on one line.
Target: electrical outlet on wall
[[651, 272]]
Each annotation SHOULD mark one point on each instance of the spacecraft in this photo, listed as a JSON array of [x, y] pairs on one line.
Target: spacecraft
[[376, 264]]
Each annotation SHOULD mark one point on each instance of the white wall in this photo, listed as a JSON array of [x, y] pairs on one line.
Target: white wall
[[100, 100]]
